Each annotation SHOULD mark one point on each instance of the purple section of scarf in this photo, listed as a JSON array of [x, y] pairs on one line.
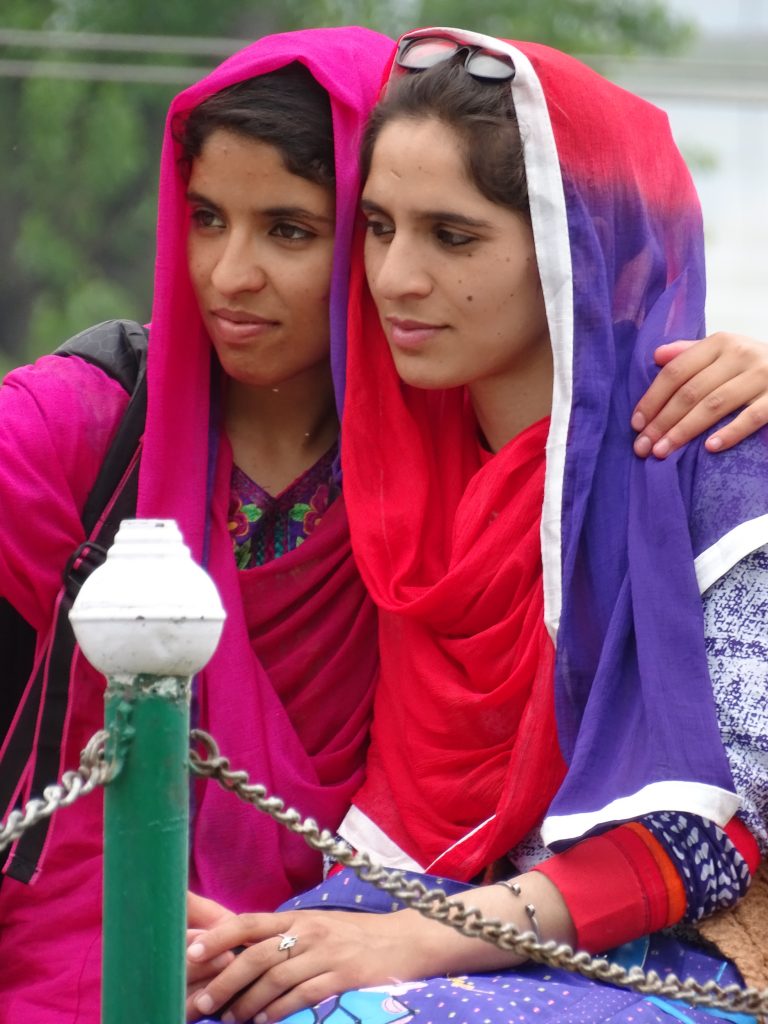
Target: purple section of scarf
[[634, 697]]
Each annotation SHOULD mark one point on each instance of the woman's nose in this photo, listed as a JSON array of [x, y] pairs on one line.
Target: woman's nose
[[238, 269], [401, 271]]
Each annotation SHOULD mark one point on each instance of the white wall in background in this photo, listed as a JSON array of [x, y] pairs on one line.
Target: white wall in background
[[734, 191]]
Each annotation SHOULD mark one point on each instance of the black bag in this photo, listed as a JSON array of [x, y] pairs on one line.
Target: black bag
[[119, 347]]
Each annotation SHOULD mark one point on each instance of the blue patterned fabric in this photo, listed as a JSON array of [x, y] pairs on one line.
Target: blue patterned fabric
[[736, 637], [712, 870]]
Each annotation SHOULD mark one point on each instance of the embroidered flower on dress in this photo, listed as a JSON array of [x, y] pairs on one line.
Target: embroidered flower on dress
[[264, 526], [317, 508], [241, 516], [237, 519]]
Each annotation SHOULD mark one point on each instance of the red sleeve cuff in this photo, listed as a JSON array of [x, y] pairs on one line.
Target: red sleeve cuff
[[613, 888], [744, 842]]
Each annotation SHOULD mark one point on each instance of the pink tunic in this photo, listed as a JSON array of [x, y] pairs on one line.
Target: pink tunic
[[294, 714]]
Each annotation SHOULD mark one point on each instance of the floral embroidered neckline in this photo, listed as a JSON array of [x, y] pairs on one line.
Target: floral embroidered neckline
[[264, 527]]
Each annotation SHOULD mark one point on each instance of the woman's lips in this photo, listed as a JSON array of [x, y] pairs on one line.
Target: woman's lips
[[411, 333], [234, 326]]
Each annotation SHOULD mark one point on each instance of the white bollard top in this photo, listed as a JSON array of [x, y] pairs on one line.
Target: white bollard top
[[149, 608]]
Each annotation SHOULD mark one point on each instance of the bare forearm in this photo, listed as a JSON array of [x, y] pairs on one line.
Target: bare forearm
[[453, 953]]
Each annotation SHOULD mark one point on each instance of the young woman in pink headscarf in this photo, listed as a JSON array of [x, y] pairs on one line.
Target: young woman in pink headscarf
[[258, 194]]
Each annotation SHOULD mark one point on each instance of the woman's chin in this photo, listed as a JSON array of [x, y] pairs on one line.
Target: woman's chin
[[426, 375]]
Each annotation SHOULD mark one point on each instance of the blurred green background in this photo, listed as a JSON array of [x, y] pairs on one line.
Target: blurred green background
[[82, 105]]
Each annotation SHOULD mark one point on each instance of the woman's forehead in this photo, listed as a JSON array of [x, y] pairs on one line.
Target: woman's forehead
[[424, 153]]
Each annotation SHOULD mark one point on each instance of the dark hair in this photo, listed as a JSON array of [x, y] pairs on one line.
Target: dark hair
[[286, 108], [481, 112]]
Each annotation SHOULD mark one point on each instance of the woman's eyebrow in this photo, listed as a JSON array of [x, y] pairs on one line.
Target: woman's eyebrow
[[198, 197], [299, 212], [459, 219], [455, 218], [370, 207], [274, 212]]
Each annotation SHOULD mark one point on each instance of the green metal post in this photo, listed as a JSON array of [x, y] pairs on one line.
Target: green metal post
[[146, 826], [148, 618]]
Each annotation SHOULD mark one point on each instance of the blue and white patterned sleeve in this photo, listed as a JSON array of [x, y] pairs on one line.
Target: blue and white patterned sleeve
[[713, 872], [736, 635]]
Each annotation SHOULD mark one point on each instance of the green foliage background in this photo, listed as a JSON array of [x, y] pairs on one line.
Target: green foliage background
[[79, 167]]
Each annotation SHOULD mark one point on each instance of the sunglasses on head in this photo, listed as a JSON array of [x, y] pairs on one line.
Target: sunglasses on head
[[422, 52]]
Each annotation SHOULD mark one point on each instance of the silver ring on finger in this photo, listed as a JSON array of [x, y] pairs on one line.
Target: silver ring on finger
[[286, 944]]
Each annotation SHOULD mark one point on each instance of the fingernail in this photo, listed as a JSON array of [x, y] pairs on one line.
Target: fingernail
[[195, 951], [714, 443], [260, 1018], [642, 445], [661, 448], [204, 1003], [638, 421], [221, 961]]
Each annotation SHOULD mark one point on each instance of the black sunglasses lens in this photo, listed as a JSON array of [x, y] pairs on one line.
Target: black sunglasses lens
[[420, 54], [488, 65]]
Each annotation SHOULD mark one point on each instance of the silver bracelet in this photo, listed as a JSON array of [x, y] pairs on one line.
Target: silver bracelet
[[530, 909]]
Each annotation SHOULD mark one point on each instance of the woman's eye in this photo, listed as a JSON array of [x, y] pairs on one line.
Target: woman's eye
[[292, 232], [452, 238], [204, 218], [379, 229]]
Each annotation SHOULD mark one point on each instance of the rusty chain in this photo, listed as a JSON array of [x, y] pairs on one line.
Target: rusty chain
[[93, 771]]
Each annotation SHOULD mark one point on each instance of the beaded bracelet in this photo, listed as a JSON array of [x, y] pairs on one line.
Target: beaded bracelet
[[530, 909]]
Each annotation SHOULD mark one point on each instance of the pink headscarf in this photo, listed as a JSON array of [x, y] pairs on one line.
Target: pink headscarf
[[316, 630], [300, 725]]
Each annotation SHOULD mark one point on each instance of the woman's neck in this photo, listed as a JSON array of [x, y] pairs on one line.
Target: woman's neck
[[277, 433], [506, 404]]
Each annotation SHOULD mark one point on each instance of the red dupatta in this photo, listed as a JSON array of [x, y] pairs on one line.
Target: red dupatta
[[464, 758]]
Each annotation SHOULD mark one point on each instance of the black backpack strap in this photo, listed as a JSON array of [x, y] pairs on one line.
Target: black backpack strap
[[118, 347], [112, 499], [17, 643], [50, 696]]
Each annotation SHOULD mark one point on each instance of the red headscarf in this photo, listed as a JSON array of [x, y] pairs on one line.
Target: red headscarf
[[464, 757]]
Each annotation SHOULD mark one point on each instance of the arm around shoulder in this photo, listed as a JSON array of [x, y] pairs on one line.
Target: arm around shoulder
[[700, 383]]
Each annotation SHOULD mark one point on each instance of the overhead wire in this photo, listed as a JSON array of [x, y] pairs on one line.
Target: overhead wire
[[679, 78]]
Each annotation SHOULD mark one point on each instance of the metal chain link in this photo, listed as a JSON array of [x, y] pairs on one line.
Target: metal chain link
[[434, 904], [93, 771]]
